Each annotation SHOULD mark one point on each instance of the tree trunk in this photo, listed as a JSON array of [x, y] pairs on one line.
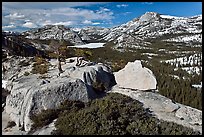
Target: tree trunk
[[77, 64], [59, 65], [59, 61]]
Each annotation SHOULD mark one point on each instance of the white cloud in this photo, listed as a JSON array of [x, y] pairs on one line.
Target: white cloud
[[83, 13], [32, 14], [8, 27], [87, 22], [15, 16], [122, 5], [96, 23], [148, 3], [46, 22], [68, 23], [104, 9], [29, 25]]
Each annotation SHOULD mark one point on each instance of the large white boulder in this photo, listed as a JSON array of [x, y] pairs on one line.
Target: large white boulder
[[134, 76]]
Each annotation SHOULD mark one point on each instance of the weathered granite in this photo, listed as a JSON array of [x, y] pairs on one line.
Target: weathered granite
[[30, 94], [164, 108], [135, 76]]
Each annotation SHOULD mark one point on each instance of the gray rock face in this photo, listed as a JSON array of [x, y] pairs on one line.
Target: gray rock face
[[31, 94], [134, 76], [14, 66], [92, 74], [46, 130], [54, 32], [193, 116]]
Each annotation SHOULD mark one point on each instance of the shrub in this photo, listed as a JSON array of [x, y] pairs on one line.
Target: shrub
[[10, 124], [44, 118], [99, 86], [114, 114], [83, 52], [40, 66], [4, 94], [26, 73], [118, 65]]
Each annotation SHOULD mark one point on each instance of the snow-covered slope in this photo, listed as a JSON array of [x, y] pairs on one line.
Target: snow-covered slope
[[153, 25], [134, 33], [191, 64]]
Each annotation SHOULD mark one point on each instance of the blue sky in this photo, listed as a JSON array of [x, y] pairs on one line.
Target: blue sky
[[21, 16]]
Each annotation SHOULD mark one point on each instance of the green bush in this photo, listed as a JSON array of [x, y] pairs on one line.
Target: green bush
[[44, 118], [40, 66], [115, 114], [99, 86]]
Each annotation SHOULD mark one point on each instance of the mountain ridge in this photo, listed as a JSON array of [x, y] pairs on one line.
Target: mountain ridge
[[150, 25]]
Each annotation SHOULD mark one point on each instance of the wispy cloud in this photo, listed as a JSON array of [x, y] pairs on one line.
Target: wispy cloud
[[126, 13], [15, 16], [121, 5], [88, 22], [8, 27], [67, 23], [96, 23], [29, 25], [147, 3]]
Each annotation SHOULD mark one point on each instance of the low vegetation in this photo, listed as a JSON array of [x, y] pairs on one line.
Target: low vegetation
[[40, 66], [10, 124], [115, 114]]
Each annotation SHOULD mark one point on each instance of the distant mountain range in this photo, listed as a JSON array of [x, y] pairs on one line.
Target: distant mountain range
[[137, 32]]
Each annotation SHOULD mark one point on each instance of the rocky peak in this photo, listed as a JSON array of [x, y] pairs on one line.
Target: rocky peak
[[57, 32], [149, 17]]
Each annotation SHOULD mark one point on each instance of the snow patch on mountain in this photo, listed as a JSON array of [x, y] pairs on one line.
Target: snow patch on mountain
[[187, 60], [197, 85], [187, 38], [90, 45]]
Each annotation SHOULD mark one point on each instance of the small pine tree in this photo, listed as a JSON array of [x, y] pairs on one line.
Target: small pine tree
[[55, 47]]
